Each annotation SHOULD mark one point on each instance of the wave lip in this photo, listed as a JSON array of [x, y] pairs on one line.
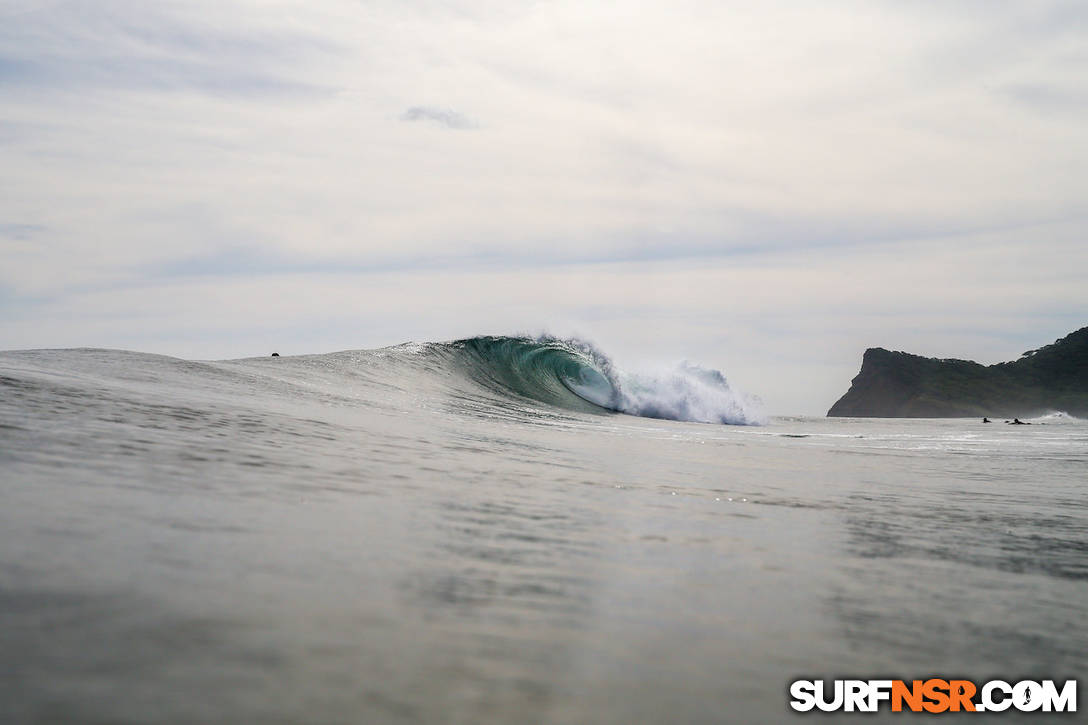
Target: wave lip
[[574, 374]]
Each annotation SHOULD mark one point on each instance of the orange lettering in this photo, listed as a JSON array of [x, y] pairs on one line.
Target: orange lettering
[[912, 695], [961, 691], [936, 691]]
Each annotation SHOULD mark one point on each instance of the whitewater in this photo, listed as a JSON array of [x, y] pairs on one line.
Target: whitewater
[[510, 530]]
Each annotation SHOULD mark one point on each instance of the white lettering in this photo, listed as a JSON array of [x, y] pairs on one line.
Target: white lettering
[[804, 695], [987, 696], [829, 705], [1065, 701], [879, 690]]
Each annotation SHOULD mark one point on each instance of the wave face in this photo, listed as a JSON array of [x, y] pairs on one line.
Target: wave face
[[576, 375]]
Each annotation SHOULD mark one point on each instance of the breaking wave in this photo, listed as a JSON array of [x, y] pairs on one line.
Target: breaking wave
[[1056, 416], [574, 374]]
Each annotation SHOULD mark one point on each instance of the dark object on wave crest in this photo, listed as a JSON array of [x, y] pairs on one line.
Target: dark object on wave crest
[[901, 385], [275, 354]]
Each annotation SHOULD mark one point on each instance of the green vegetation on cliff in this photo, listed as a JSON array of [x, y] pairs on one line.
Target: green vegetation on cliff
[[901, 385]]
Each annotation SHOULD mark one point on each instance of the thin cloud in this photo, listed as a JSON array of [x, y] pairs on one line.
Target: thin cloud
[[124, 46], [20, 232], [443, 116], [1045, 98]]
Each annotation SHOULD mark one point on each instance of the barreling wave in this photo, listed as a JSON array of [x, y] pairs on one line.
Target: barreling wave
[[576, 375]]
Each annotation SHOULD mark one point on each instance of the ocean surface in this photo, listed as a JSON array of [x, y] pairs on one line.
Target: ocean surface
[[506, 530]]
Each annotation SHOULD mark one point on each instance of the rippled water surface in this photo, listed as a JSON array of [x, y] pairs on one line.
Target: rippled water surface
[[372, 537]]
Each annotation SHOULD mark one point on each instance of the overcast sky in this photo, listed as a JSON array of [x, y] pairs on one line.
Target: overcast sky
[[765, 188]]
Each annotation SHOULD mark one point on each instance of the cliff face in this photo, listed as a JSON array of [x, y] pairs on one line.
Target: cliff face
[[901, 385]]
